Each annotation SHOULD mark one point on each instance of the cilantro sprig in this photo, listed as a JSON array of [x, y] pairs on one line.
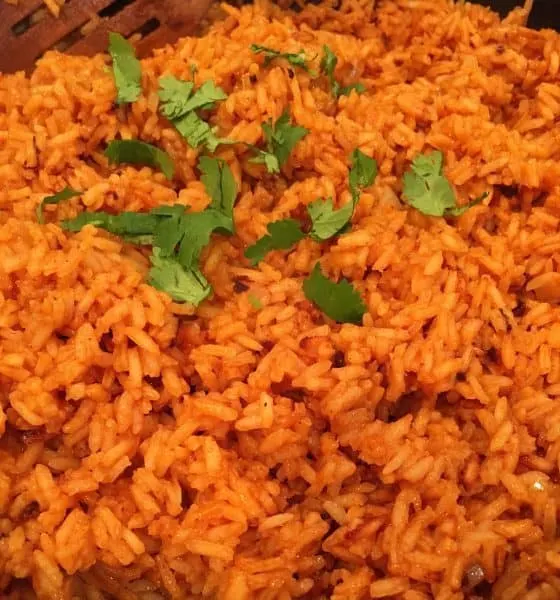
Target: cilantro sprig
[[296, 59], [328, 66], [127, 70], [326, 221], [180, 103], [338, 300], [281, 138], [426, 188], [177, 236]]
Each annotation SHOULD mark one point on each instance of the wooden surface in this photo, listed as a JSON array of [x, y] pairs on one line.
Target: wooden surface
[[20, 47]]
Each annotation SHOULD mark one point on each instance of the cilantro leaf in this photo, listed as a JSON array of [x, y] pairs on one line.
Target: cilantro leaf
[[328, 66], [127, 70], [198, 132], [182, 285], [179, 105], [139, 153], [362, 172], [168, 233], [220, 186], [174, 95], [196, 231], [269, 160], [426, 188], [125, 224], [177, 237], [281, 138], [339, 301], [295, 59], [204, 97], [64, 194], [326, 221], [282, 235]]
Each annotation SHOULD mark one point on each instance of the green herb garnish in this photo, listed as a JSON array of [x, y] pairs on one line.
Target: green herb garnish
[[174, 95], [362, 173], [64, 194], [220, 185], [131, 226], [205, 97], [282, 235], [327, 222], [139, 153], [339, 301], [426, 188], [328, 66], [179, 104], [183, 285], [295, 59], [199, 133], [127, 70], [177, 237], [178, 99], [281, 138]]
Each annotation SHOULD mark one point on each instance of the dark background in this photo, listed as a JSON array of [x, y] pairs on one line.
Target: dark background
[[545, 13]]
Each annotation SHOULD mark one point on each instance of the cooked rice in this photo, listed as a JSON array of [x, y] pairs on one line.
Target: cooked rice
[[150, 451]]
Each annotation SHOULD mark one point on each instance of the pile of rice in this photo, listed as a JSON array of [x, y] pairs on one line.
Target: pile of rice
[[151, 451]]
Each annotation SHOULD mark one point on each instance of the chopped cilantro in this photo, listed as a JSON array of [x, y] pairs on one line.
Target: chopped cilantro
[[198, 132], [126, 224], [282, 235], [64, 194], [325, 220], [362, 173], [328, 66], [139, 153], [196, 231], [205, 96], [220, 185], [254, 301], [339, 301], [177, 237], [295, 59], [281, 138], [183, 285], [426, 188], [179, 103], [127, 70], [174, 95]]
